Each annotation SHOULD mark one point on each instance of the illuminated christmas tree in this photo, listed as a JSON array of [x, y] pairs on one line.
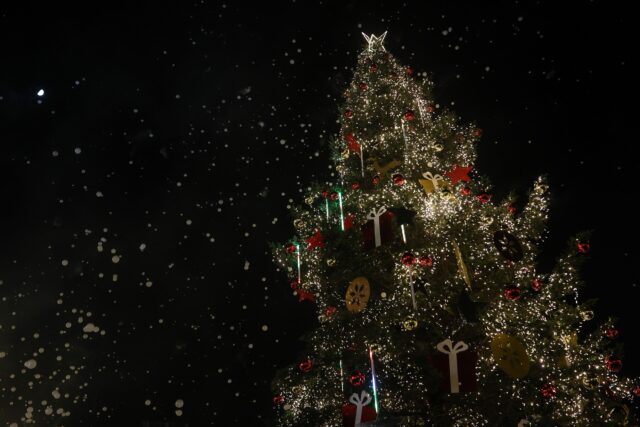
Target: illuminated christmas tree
[[432, 310]]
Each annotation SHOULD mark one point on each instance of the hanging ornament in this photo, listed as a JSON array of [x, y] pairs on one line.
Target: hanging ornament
[[334, 196], [510, 355], [430, 108], [304, 295], [537, 284], [331, 262], [586, 315], [613, 363], [459, 173], [298, 223], [309, 200], [408, 259], [425, 261], [432, 183], [306, 365], [611, 333], [278, 400], [483, 198], [548, 391], [462, 267], [409, 324], [590, 383], [456, 365], [357, 379], [291, 248], [508, 245], [584, 247], [512, 293], [477, 132], [465, 191], [355, 186], [315, 241], [348, 114], [409, 71], [382, 170], [373, 67], [330, 311], [357, 295], [375, 180], [378, 229], [636, 391], [409, 115], [437, 147], [512, 209], [362, 86], [398, 179], [345, 153]]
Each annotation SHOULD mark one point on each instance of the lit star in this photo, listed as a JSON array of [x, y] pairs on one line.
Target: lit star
[[372, 39], [459, 173]]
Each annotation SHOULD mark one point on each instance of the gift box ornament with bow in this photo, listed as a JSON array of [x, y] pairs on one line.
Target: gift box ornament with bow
[[457, 365], [433, 183], [378, 229], [358, 411]]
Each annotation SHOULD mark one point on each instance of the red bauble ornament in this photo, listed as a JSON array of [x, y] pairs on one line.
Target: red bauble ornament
[[512, 209], [408, 259], [512, 292], [357, 379], [636, 391], [410, 71], [584, 247], [334, 195], [306, 365], [536, 284], [611, 333], [325, 194], [465, 191], [330, 311], [278, 400], [483, 198], [398, 179], [409, 115], [425, 261], [548, 391], [348, 113], [355, 186], [430, 108], [373, 68], [363, 86], [291, 248], [477, 132], [613, 364]]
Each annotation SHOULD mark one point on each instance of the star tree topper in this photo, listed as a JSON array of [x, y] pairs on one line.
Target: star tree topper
[[374, 40]]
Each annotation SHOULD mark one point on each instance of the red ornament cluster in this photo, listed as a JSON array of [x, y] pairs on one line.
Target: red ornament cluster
[[408, 259], [537, 284], [611, 333], [483, 198], [584, 247], [409, 115], [465, 191], [548, 391], [425, 261], [613, 364], [306, 365], [512, 292], [398, 179], [357, 379]]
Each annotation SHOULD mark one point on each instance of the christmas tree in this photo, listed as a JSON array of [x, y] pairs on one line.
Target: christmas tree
[[431, 308]]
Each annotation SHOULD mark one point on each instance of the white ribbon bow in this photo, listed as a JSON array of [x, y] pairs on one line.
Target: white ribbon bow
[[360, 401], [375, 216], [452, 350], [434, 179]]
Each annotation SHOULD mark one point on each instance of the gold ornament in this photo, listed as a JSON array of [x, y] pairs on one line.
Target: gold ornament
[[357, 295], [345, 153], [486, 221], [462, 267], [309, 200], [410, 324], [586, 315], [298, 223], [438, 147], [383, 169], [331, 262], [433, 183], [383, 295], [510, 355], [341, 169]]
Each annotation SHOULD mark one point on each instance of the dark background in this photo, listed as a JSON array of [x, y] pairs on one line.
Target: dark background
[[189, 128]]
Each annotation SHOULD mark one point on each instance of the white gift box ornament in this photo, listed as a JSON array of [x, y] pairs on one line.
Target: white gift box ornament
[[375, 216], [447, 347], [360, 401]]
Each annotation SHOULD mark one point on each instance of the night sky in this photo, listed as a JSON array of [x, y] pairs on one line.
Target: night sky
[[141, 189]]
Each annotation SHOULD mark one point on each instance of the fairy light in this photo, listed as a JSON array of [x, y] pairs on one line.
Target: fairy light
[[373, 380], [441, 218]]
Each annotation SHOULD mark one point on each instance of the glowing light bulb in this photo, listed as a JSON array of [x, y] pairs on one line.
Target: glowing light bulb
[[40, 92]]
